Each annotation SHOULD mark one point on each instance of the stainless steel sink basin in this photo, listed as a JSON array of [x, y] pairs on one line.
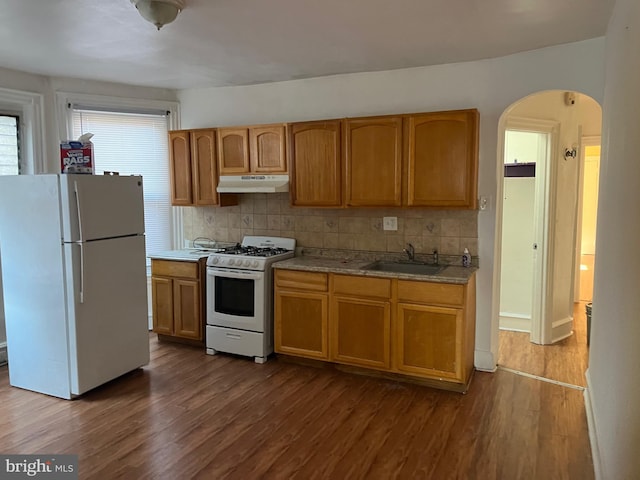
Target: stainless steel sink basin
[[415, 268]]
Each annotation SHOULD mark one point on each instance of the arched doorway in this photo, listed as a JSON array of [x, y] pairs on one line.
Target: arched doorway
[[539, 213]]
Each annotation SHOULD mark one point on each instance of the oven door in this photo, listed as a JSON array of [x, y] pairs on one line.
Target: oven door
[[235, 299]]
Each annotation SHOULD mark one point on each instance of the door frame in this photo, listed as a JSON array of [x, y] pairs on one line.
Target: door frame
[[545, 206], [585, 141]]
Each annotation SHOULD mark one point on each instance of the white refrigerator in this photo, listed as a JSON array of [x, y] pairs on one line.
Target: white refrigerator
[[72, 252]]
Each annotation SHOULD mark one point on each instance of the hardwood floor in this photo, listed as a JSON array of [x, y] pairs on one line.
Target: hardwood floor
[[189, 415], [565, 361]]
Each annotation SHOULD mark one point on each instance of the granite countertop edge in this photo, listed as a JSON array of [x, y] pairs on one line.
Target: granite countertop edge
[[184, 255], [450, 274]]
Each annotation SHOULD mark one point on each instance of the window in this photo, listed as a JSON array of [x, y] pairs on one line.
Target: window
[[134, 144], [9, 145]]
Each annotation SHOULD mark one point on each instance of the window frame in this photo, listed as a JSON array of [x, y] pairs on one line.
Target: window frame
[[29, 107], [65, 100]]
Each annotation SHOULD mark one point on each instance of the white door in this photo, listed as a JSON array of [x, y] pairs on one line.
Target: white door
[[107, 302], [101, 206]]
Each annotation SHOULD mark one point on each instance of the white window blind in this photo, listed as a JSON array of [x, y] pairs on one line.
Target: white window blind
[[134, 144], [9, 159]]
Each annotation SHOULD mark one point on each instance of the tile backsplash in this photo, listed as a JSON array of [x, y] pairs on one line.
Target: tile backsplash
[[448, 231]]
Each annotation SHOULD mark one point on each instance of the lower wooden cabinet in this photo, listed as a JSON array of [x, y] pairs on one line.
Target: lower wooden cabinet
[[412, 328], [429, 341], [178, 299], [360, 331], [301, 313]]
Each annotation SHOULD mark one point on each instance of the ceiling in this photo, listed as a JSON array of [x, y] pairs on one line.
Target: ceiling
[[243, 42]]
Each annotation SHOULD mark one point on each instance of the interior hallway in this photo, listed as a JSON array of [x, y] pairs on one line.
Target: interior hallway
[[565, 361]]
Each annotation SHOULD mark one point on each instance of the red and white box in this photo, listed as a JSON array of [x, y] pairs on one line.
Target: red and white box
[[76, 157]]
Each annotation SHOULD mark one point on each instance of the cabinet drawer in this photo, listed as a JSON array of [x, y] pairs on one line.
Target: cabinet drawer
[[362, 286], [170, 268], [431, 293], [301, 280]]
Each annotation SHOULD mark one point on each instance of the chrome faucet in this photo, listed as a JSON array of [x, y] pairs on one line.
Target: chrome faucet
[[435, 257], [410, 251]]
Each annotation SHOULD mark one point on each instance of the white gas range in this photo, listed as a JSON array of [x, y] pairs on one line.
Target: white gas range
[[240, 296]]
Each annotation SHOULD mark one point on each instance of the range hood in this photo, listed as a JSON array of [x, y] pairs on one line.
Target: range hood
[[253, 183]]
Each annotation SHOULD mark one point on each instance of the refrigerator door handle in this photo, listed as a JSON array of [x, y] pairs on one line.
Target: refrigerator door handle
[[80, 241], [81, 245], [80, 234]]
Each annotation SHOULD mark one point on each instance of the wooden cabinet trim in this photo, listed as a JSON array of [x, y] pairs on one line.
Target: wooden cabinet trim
[[300, 280], [362, 286], [172, 268], [430, 293]]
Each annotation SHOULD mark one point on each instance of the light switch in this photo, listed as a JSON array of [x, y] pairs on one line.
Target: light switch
[[390, 223]]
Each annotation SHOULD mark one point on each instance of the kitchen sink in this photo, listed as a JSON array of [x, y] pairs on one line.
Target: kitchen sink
[[415, 268]]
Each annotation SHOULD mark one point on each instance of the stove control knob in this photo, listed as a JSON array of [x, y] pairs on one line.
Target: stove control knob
[[247, 263], [215, 260], [255, 263], [231, 261]]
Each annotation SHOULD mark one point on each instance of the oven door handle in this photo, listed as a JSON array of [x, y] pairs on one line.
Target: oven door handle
[[242, 274]]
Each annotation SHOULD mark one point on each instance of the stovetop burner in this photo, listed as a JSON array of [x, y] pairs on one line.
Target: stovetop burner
[[251, 251]]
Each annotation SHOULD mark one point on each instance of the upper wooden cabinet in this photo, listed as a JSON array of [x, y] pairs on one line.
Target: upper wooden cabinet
[[373, 161], [193, 168], [233, 151], [259, 149], [267, 149], [442, 160], [315, 158]]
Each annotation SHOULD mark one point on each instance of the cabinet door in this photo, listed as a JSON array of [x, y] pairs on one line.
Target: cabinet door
[[267, 149], [162, 304], [429, 341], [443, 159], [301, 324], [180, 168], [187, 316], [233, 151], [360, 332], [315, 161], [203, 148], [373, 160]]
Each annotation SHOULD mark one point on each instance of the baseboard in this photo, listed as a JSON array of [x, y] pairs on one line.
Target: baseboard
[[485, 361], [515, 322], [3, 353], [591, 426], [561, 329]]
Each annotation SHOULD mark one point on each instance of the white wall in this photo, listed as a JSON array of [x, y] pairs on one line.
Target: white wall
[[489, 85], [613, 380]]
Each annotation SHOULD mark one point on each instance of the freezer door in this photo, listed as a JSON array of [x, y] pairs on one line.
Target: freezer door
[[108, 329], [101, 206]]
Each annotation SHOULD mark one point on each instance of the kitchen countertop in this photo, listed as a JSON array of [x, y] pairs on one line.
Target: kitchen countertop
[[184, 255], [450, 274]]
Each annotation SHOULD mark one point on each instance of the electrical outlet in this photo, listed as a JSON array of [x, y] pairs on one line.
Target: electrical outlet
[[485, 203], [390, 223]]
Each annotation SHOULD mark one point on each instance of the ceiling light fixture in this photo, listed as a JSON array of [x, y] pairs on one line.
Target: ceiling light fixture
[[159, 12]]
